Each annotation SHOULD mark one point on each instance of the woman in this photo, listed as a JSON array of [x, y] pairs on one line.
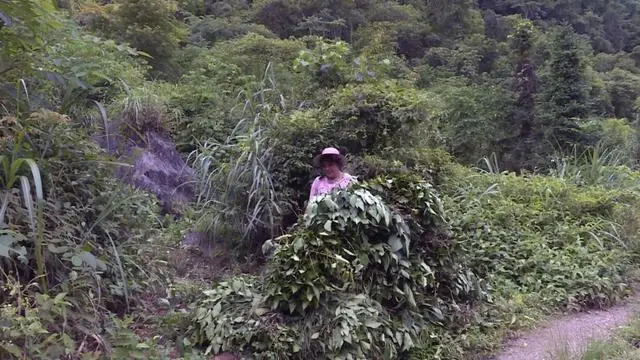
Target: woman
[[331, 162]]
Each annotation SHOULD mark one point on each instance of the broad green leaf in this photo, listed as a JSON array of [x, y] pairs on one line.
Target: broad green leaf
[[76, 260], [407, 342], [409, 294], [59, 297], [372, 324], [261, 311], [89, 259], [395, 243], [57, 249], [216, 310], [69, 344], [7, 247], [12, 349]]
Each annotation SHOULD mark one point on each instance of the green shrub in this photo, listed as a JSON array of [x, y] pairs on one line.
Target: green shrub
[[542, 236], [208, 115], [253, 52], [150, 26], [236, 190], [212, 29], [38, 326], [104, 68], [71, 68], [470, 117], [230, 319]]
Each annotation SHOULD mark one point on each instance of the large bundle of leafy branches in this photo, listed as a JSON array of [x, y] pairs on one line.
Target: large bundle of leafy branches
[[360, 276]]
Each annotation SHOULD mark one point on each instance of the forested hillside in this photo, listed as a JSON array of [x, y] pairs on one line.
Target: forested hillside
[[496, 145]]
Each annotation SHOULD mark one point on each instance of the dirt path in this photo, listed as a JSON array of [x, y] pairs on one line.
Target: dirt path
[[570, 334]]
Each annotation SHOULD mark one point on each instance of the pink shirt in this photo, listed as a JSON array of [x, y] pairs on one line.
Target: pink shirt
[[322, 185]]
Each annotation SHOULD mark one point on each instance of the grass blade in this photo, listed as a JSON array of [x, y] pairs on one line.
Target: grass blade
[[28, 201], [103, 116], [37, 179]]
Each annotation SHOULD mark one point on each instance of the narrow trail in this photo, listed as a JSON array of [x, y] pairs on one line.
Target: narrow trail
[[571, 333]]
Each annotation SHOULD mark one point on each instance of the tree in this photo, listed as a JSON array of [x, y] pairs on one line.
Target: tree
[[150, 26], [519, 147], [563, 98], [454, 18], [623, 87]]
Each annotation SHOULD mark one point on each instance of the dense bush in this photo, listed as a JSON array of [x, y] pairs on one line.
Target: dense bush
[[543, 236], [211, 30]]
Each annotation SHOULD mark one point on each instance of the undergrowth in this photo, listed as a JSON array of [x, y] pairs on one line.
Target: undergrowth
[[88, 232]]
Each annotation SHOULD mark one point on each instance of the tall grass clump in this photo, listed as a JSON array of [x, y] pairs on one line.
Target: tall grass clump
[[236, 193], [597, 165]]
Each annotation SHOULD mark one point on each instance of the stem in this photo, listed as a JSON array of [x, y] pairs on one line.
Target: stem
[[5, 204], [42, 276], [121, 268]]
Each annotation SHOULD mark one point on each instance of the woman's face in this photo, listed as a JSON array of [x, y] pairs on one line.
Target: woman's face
[[330, 169]]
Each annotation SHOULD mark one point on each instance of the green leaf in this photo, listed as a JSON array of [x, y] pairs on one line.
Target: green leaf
[[101, 265], [261, 311], [57, 249], [216, 309], [89, 259], [59, 297], [372, 324], [407, 342], [409, 294], [298, 244], [395, 243], [12, 349], [69, 344], [6, 246]]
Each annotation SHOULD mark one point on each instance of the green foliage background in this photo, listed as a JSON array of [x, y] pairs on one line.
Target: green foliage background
[[495, 142]]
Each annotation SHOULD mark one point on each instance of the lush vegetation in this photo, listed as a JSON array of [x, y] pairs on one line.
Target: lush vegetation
[[495, 143]]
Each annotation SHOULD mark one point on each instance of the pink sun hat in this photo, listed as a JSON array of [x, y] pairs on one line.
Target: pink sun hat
[[331, 153]]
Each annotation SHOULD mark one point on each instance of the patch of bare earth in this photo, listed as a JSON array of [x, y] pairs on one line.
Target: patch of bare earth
[[570, 334], [188, 265]]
